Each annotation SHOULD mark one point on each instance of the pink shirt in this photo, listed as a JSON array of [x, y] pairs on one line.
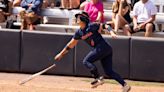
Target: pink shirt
[[93, 9]]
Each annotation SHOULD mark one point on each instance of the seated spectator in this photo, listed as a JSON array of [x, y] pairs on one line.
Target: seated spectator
[[4, 10], [52, 5], [121, 14], [16, 2], [95, 10], [81, 1], [30, 15], [45, 4], [133, 2], [144, 13], [70, 4], [74, 4], [57, 3], [64, 4]]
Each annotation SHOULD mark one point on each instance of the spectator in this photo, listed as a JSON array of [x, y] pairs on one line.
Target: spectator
[[4, 10], [45, 4], [70, 4], [16, 3], [64, 4], [95, 10], [121, 14], [144, 13], [57, 3], [133, 2], [52, 5], [74, 4], [30, 16], [81, 1]]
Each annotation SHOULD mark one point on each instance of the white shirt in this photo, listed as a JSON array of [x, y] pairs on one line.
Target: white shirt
[[153, 1], [144, 11]]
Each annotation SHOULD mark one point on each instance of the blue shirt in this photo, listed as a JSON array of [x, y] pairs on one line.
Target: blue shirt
[[36, 5], [89, 34]]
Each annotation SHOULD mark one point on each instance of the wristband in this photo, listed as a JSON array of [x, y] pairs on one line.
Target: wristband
[[67, 48]]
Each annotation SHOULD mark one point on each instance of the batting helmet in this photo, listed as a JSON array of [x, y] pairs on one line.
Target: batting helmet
[[84, 16]]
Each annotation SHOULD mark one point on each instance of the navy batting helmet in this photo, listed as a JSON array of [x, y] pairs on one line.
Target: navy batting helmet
[[84, 16]]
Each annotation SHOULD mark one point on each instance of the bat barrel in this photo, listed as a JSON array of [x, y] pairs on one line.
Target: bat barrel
[[36, 74]]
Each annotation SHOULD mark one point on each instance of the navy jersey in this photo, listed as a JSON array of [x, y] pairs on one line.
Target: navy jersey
[[89, 34]]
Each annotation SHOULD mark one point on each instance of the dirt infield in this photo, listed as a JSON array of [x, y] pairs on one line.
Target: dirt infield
[[9, 82]]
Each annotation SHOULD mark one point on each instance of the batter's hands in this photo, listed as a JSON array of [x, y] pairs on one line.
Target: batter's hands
[[58, 57]]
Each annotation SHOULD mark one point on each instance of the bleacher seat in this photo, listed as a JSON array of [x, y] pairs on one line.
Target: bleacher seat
[[66, 17], [56, 28]]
